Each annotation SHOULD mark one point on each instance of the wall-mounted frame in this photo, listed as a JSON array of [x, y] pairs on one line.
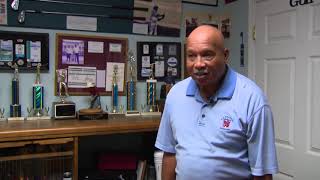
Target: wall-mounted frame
[[166, 56], [25, 49], [88, 59], [202, 2]]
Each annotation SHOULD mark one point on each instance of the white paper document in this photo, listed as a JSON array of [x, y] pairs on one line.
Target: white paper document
[[159, 69], [139, 28], [95, 47], [82, 23], [101, 78], [34, 51], [115, 47], [79, 76]]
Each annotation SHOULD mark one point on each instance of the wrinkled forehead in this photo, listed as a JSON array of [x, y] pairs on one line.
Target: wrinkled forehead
[[194, 42]]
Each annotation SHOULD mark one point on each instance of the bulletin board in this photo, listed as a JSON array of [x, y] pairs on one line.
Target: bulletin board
[[163, 56], [80, 56], [25, 49]]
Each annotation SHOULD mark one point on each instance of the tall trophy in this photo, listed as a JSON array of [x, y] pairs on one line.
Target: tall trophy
[[131, 88], [38, 111], [15, 107], [115, 90], [37, 92], [63, 109], [151, 107]]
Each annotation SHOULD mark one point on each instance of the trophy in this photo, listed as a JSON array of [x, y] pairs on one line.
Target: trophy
[[115, 92], [37, 91], [152, 108], [2, 118], [15, 107], [37, 99], [63, 109], [131, 88], [94, 111]]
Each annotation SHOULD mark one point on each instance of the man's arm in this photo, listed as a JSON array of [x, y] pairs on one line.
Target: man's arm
[[265, 177], [168, 166]]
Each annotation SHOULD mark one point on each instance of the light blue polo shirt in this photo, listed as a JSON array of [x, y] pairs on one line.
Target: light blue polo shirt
[[230, 138]]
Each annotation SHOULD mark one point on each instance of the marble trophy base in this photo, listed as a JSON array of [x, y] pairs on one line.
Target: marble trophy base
[[92, 114], [38, 118], [16, 118], [151, 114], [116, 114]]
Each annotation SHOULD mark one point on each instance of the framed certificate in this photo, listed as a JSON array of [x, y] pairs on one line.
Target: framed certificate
[[202, 2]]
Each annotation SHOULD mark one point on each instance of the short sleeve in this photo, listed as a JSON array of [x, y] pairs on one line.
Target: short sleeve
[[261, 143], [165, 140]]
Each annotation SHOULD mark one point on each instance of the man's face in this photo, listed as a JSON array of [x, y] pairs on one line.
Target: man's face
[[205, 61]]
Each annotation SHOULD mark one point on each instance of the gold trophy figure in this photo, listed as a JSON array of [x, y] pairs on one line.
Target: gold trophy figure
[[63, 109]]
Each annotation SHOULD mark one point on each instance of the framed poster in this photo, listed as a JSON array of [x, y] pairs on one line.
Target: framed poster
[[195, 19], [202, 2], [26, 49], [163, 18], [158, 59]]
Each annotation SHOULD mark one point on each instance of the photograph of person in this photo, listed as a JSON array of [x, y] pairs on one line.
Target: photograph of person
[[72, 51]]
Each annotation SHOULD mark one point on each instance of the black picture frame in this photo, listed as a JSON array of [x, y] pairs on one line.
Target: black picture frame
[[202, 2], [22, 38]]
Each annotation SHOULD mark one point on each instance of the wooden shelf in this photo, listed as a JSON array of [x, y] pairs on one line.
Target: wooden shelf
[[46, 129]]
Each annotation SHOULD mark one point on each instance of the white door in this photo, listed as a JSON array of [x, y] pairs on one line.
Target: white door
[[287, 67]]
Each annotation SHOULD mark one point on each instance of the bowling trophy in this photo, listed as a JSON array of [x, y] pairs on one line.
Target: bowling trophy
[[94, 112], [15, 107], [63, 109], [131, 88]]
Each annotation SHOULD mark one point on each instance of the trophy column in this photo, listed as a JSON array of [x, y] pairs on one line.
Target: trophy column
[[37, 91], [152, 108], [38, 112], [115, 91], [131, 88], [15, 107]]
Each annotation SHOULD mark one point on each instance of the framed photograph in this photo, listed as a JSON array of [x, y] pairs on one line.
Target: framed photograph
[[202, 2], [195, 19], [229, 1]]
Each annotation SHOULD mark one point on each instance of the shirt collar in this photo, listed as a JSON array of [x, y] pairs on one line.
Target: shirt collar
[[225, 91]]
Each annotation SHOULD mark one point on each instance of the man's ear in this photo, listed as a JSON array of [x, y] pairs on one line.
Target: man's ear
[[226, 54]]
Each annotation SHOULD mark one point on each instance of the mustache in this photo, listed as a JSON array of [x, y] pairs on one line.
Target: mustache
[[199, 72]]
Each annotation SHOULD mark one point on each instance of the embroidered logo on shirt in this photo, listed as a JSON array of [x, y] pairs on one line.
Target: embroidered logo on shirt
[[226, 122]]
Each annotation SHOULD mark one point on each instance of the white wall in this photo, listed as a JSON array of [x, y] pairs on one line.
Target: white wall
[[239, 23]]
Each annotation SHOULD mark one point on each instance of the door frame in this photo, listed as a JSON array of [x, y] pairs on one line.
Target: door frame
[[251, 39]]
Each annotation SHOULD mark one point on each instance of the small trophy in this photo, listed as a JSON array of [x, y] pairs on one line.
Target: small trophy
[[94, 112], [152, 109], [131, 88], [15, 107], [2, 118], [62, 109]]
